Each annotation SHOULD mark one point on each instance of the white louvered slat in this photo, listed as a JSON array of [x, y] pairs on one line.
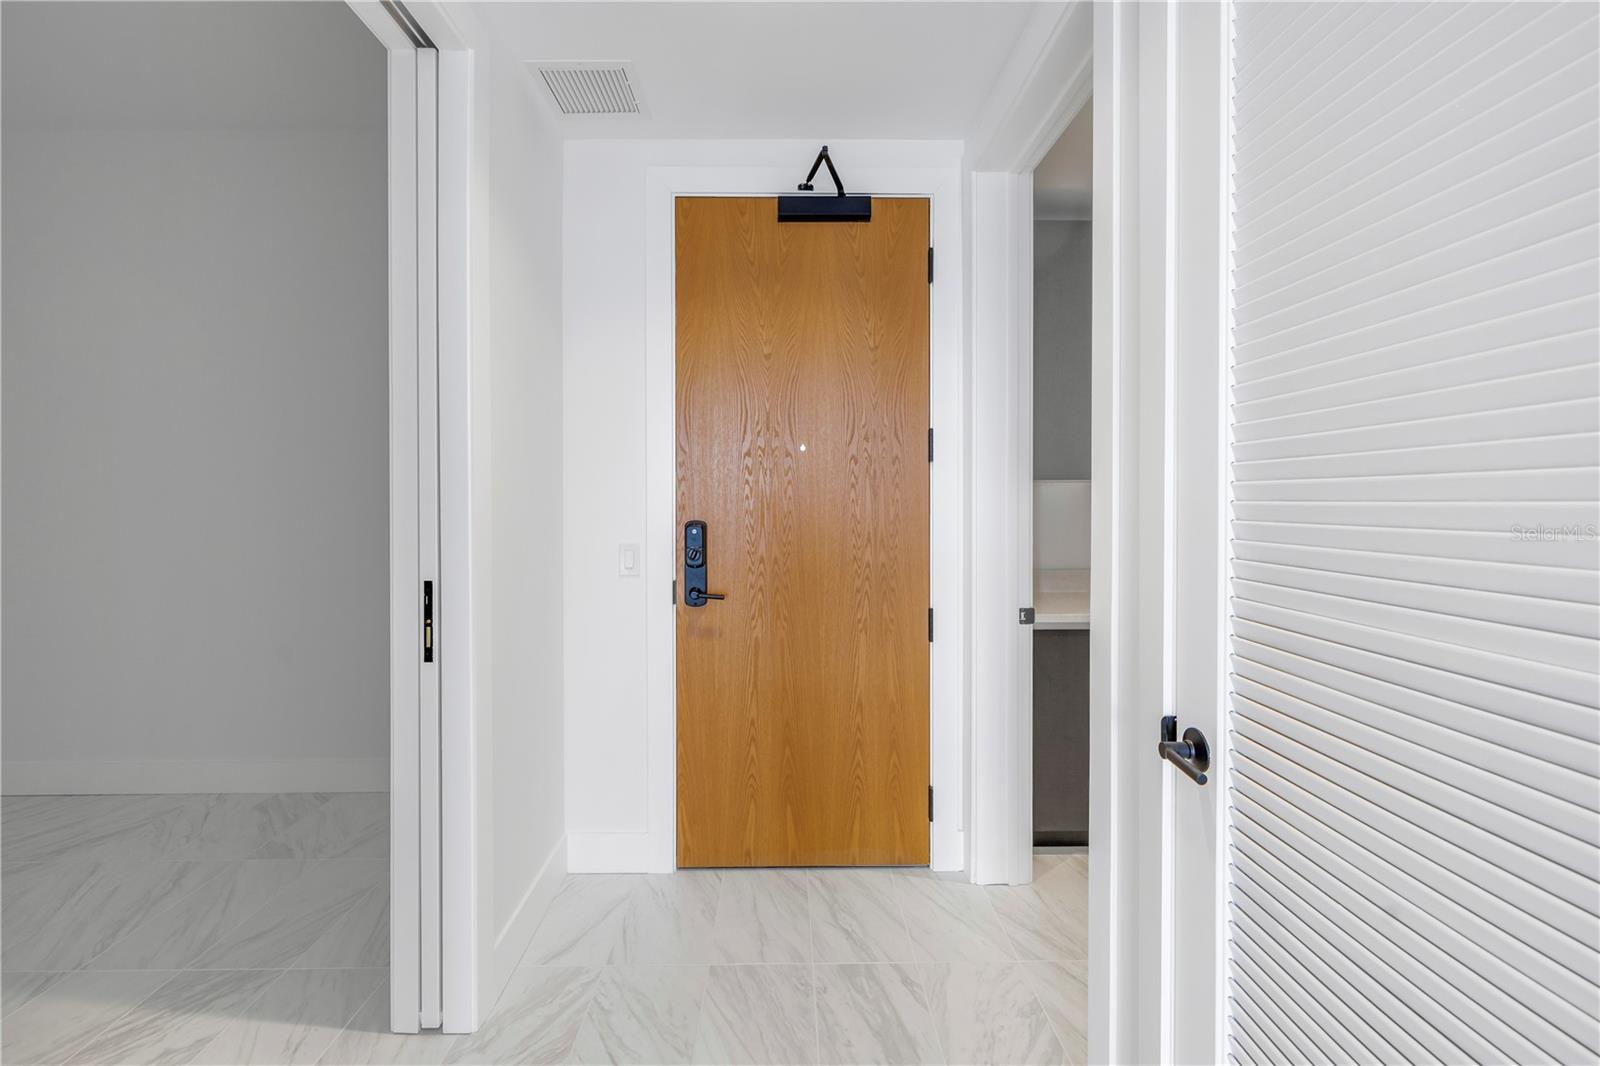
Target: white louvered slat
[[1515, 815], [1318, 988], [1314, 999], [1474, 108], [1504, 1022], [1571, 720], [1396, 36], [1499, 516], [1413, 781], [1391, 399], [1568, 484], [1561, 962], [1285, 1032], [1562, 174], [1410, 709], [1495, 188], [1300, 886], [1550, 337], [1316, 684], [1369, 130], [1261, 896], [1571, 553], [1556, 649], [1523, 453], [1422, 271]]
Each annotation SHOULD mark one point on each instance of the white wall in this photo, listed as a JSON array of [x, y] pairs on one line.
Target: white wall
[[614, 794], [516, 471], [195, 386]]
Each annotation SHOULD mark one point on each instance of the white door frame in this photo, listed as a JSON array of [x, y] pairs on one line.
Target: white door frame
[[1132, 52], [1053, 89], [433, 854], [1194, 903]]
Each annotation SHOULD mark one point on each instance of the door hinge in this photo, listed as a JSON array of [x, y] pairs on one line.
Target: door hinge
[[930, 266], [930, 444], [930, 625], [930, 803], [427, 621], [674, 591]]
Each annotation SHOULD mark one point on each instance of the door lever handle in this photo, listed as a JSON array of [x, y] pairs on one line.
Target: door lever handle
[[1192, 754], [697, 597]]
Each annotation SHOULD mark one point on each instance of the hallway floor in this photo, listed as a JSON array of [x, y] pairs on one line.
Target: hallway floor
[[253, 929]]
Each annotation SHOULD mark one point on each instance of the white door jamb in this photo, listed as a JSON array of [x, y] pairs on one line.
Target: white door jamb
[[1113, 51]]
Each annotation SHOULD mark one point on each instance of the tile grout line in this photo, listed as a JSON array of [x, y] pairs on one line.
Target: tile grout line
[[244, 1011], [100, 864], [1016, 952], [921, 974], [348, 915], [310, 866], [816, 1011], [1029, 979], [1028, 976], [382, 986], [221, 934], [92, 1037], [588, 1005]]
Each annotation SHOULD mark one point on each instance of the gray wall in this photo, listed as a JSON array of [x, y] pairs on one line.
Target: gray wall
[[1061, 736], [195, 383], [1062, 272]]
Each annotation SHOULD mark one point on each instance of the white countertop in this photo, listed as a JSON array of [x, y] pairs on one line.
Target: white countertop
[[1061, 599]]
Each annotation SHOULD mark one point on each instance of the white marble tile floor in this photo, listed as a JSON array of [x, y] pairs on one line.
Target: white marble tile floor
[[254, 929]]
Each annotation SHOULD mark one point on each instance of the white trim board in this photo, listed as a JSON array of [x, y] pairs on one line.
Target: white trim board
[[156, 777], [947, 548]]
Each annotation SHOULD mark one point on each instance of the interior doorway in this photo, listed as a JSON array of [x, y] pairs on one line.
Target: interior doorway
[[803, 502], [1062, 490], [197, 516]]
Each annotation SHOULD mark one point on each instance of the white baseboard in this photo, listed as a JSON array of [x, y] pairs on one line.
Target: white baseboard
[[516, 932], [71, 778], [612, 853]]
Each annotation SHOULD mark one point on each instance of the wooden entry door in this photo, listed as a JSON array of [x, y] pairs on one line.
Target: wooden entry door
[[802, 441]]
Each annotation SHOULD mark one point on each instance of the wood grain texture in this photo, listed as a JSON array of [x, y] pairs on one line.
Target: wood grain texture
[[802, 425]]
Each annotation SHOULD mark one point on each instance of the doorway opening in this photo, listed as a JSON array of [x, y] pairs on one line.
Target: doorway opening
[[198, 546], [1062, 404]]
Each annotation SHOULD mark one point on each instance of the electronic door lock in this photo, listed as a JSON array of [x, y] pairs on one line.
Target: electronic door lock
[[694, 566]]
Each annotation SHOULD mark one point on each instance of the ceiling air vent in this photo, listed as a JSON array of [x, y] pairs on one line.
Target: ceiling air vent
[[591, 88]]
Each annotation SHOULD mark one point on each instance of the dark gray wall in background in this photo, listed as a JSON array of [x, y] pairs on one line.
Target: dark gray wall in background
[[1062, 272], [1061, 736]]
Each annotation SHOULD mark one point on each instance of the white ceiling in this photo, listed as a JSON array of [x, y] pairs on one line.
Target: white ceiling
[[1063, 182], [779, 70]]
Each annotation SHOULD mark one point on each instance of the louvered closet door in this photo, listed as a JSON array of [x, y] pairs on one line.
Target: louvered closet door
[[1414, 792]]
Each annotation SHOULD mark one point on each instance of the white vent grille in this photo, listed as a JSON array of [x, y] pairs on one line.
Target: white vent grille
[[592, 88]]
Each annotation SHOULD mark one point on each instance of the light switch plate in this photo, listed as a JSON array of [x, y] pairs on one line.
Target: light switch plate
[[627, 560]]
